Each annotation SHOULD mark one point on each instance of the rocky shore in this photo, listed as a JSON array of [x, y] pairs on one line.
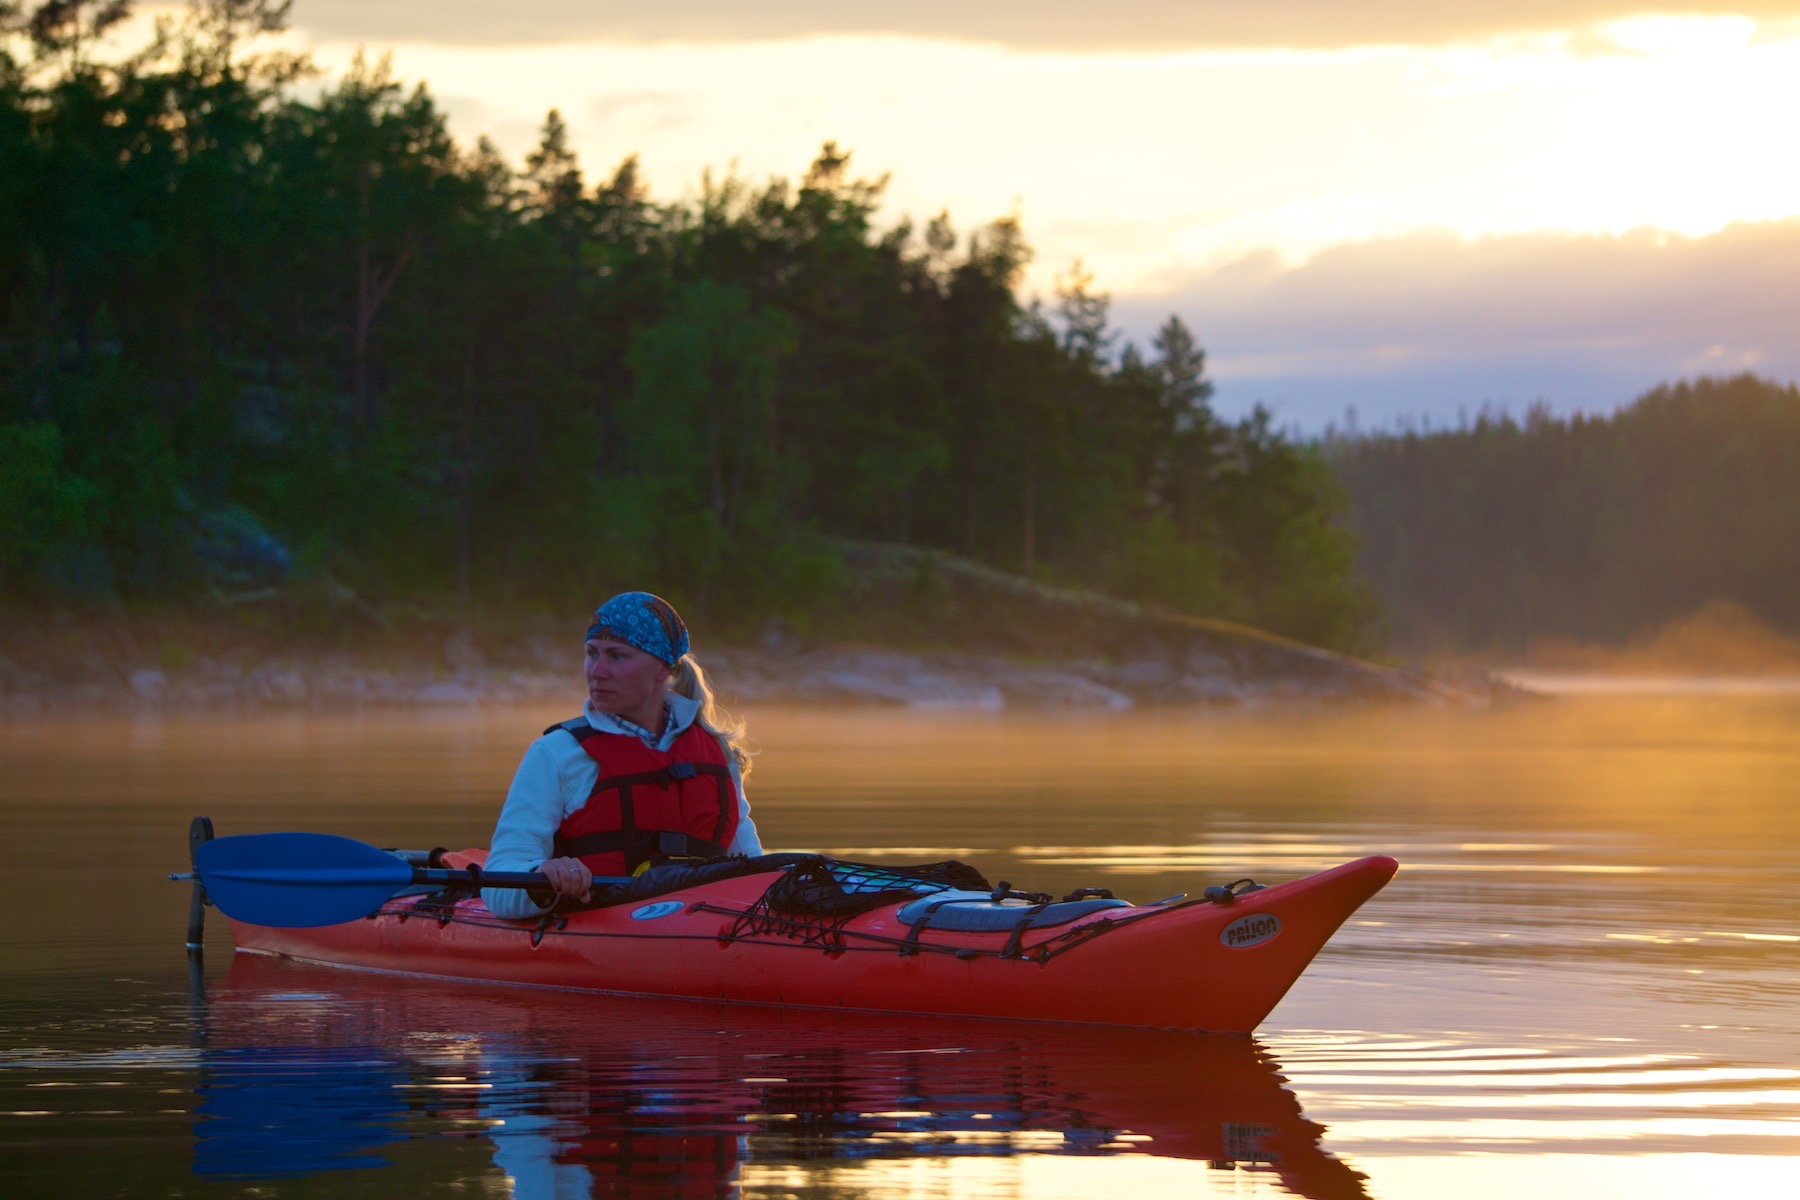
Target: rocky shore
[[461, 674], [832, 675], [912, 628]]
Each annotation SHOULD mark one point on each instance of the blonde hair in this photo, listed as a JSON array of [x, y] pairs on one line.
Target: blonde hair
[[687, 679]]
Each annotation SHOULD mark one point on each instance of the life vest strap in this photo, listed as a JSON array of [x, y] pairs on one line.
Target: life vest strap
[[672, 773]]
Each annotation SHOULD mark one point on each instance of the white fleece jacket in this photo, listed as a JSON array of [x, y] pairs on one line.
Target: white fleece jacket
[[553, 780]]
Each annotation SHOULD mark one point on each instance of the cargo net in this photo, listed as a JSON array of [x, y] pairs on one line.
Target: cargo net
[[813, 900]]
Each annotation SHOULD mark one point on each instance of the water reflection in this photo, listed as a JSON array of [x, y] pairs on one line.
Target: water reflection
[[312, 1069], [271, 1112]]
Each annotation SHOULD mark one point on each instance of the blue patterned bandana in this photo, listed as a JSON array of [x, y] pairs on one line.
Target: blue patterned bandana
[[640, 619]]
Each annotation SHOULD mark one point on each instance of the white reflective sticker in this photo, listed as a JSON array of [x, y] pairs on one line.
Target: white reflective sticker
[[1252, 930]]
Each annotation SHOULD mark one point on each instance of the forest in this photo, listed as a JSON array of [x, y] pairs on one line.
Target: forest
[[260, 329], [1484, 537]]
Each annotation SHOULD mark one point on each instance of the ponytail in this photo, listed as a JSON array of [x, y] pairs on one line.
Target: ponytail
[[690, 681]]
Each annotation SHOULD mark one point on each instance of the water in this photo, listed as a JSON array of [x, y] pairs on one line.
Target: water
[[1584, 982]]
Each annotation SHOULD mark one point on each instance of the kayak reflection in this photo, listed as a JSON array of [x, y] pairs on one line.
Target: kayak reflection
[[313, 1069]]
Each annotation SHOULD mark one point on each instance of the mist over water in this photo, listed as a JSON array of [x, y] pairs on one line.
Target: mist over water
[[1582, 983]]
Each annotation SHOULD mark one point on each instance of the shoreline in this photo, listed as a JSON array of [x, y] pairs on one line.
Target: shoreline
[[833, 674], [1550, 682], [914, 628]]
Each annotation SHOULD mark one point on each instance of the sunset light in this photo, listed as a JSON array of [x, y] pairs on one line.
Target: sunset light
[[1148, 165], [1001, 600], [1166, 171]]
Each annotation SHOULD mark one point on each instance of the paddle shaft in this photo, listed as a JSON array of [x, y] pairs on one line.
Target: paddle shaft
[[444, 877], [423, 872], [475, 877]]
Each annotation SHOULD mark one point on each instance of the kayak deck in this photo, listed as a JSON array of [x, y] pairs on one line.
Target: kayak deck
[[1194, 965]]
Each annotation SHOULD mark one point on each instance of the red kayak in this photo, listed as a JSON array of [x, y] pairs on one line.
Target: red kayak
[[814, 932]]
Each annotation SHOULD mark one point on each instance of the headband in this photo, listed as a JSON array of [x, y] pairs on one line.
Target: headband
[[643, 620]]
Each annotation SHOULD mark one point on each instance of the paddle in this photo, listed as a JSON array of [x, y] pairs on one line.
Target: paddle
[[298, 880]]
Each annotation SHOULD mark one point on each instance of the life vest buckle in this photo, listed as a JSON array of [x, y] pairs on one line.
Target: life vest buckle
[[682, 770]]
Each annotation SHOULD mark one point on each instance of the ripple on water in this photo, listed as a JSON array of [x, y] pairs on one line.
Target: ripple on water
[[1378, 1093]]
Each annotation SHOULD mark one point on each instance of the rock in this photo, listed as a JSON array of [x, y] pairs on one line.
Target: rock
[[1208, 688], [278, 686], [1200, 662], [778, 637], [1144, 676], [565, 655], [984, 699], [149, 684], [449, 692], [237, 554], [891, 678], [1042, 687], [461, 652]]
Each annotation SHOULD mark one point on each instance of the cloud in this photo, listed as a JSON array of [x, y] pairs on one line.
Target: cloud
[[667, 110], [1066, 25], [1432, 324]]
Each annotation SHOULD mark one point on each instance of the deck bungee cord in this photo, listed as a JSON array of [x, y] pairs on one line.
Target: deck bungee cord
[[813, 897]]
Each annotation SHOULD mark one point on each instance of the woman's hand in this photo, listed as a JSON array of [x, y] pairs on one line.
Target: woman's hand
[[568, 877]]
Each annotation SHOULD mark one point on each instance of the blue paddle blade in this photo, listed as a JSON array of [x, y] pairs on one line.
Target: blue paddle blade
[[297, 880]]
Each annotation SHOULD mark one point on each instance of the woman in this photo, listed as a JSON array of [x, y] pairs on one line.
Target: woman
[[648, 770]]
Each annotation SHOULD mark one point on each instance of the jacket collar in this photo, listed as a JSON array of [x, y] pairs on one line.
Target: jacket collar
[[682, 713]]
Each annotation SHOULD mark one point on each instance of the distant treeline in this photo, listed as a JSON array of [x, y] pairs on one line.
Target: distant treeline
[[1490, 535], [250, 332]]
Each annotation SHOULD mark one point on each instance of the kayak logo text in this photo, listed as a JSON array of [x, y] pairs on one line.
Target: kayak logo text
[[661, 908], [1252, 930]]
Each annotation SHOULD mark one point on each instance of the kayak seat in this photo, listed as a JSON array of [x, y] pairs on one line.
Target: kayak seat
[[958, 911]]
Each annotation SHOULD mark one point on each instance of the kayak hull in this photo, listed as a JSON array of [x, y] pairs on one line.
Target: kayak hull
[[1202, 966]]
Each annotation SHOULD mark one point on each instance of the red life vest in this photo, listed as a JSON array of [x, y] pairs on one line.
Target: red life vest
[[649, 804]]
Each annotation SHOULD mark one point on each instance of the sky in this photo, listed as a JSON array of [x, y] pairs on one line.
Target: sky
[[1406, 209]]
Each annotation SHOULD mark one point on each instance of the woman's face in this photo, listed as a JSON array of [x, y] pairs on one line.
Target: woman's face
[[623, 679]]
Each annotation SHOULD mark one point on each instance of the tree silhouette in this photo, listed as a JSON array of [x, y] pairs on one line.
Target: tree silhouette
[[227, 304]]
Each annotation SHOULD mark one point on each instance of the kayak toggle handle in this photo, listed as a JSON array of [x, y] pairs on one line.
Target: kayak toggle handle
[[1227, 892], [1003, 891]]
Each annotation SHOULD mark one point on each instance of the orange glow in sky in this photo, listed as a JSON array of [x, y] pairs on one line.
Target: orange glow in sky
[[1146, 164], [1444, 186]]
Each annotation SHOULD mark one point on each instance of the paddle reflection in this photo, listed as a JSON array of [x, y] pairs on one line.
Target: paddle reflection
[[270, 1112], [311, 1070]]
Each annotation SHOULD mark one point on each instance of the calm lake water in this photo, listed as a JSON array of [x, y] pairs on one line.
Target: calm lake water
[[1585, 981]]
